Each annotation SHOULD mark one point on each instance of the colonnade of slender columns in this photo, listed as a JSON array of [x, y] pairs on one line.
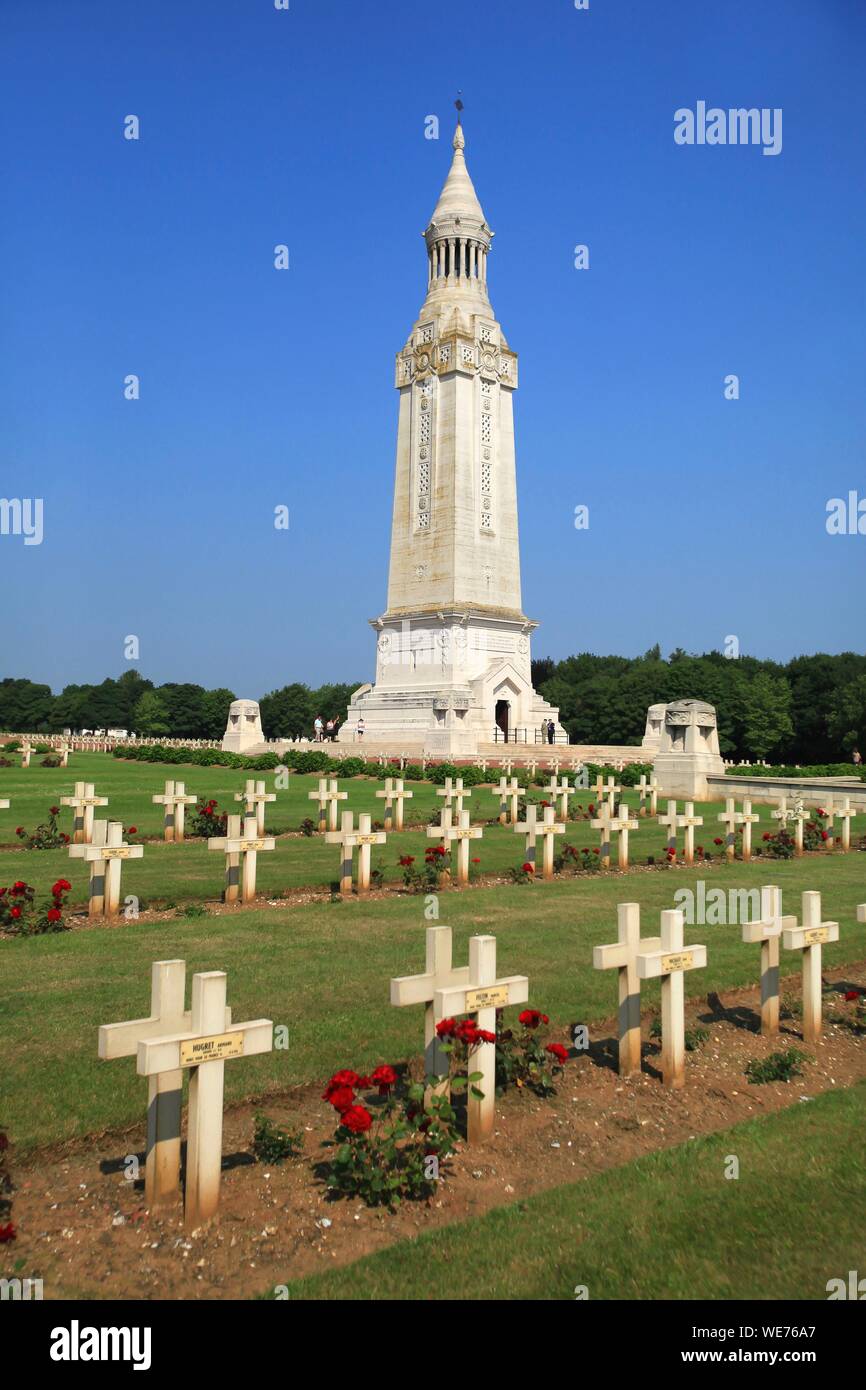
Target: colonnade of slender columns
[[458, 257]]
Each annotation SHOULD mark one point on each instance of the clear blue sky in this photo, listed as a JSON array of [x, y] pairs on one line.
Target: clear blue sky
[[259, 387]]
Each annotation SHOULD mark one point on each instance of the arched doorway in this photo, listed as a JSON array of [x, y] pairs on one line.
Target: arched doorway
[[503, 710]]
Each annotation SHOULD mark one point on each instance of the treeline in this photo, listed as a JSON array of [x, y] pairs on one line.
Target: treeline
[[809, 710], [164, 711]]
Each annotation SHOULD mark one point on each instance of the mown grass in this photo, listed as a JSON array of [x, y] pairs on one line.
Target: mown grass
[[180, 873], [323, 970], [667, 1226]]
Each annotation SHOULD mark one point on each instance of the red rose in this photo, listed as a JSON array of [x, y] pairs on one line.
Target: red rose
[[19, 887], [405, 860], [345, 1078], [356, 1119], [54, 810], [65, 839], [15, 912], [718, 840], [61, 886], [476, 861], [446, 1028], [341, 1097], [530, 1018], [54, 914], [558, 1051], [384, 1077], [596, 850], [529, 868], [133, 830], [852, 994], [20, 830], [824, 835], [482, 1035], [7, 1232]]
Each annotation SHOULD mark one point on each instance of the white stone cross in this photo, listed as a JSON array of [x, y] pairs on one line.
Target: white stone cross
[[4, 803], [545, 829], [25, 755], [241, 846], [83, 803], [622, 956], [63, 750], [782, 814], [829, 808], [670, 962], [509, 796], [621, 824], [845, 811], [730, 819], [768, 930], [482, 995], [328, 796], [607, 791], [350, 839], [165, 1089], [113, 852], [205, 1046], [531, 766], [507, 766], [175, 801], [461, 833], [562, 790], [671, 822], [799, 816], [809, 938], [747, 818], [603, 824], [439, 974], [96, 894], [648, 788], [394, 796], [455, 792], [688, 821], [441, 832], [254, 797]]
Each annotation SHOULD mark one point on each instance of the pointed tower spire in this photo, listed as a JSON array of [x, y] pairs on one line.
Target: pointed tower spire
[[458, 237]]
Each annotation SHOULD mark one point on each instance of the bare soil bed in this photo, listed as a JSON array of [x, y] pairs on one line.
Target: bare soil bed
[[83, 1228]]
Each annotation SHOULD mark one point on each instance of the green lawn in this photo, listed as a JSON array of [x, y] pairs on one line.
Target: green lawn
[[323, 970], [667, 1226], [180, 873]]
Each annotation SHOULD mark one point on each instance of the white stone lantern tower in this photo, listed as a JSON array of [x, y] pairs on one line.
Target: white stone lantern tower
[[453, 645]]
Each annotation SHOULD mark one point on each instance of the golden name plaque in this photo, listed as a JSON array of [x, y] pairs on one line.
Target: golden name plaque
[[212, 1049], [252, 844], [678, 960], [494, 997], [813, 936], [116, 851], [366, 839]]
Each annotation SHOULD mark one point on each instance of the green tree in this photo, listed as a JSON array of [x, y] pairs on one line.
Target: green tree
[[215, 712], [847, 721], [287, 713], [150, 716], [767, 720]]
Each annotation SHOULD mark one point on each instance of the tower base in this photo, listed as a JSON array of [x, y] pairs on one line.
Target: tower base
[[450, 683]]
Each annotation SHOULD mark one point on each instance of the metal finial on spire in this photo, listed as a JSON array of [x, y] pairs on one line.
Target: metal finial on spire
[[459, 104]]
